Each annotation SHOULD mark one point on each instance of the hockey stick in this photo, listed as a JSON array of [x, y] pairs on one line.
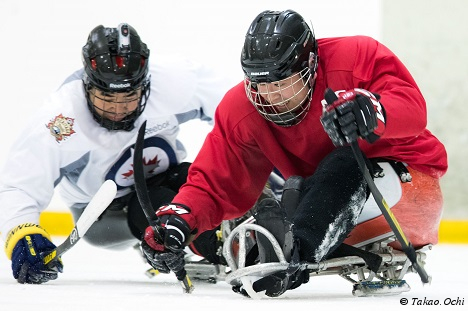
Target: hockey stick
[[145, 202], [406, 246], [93, 210]]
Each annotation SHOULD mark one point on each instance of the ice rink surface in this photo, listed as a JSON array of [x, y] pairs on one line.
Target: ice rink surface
[[97, 279]]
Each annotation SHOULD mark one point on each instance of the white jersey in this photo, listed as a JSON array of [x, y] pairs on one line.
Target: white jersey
[[62, 146]]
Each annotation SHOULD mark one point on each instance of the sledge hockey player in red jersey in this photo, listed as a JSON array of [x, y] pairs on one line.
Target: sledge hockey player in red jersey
[[277, 118], [85, 134]]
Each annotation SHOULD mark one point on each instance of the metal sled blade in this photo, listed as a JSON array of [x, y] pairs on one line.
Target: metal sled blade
[[380, 288]]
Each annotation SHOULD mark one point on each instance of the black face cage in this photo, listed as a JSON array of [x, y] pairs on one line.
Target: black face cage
[[278, 112], [127, 123]]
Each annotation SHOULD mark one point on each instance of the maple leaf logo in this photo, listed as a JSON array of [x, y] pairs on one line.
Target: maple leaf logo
[[128, 174], [149, 167]]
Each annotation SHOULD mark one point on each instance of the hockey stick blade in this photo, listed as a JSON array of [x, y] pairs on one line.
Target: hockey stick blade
[[407, 247], [140, 183], [92, 211], [145, 202]]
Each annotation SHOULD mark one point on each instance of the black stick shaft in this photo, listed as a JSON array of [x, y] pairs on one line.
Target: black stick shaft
[[140, 183], [145, 202], [391, 220], [406, 246]]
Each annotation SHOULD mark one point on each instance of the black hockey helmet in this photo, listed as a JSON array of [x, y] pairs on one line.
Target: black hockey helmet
[[116, 61], [277, 45]]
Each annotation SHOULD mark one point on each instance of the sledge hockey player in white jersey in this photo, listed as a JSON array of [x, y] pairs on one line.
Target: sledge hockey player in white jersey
[[85, 134]]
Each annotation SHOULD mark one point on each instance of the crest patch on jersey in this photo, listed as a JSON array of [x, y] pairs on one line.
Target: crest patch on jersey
[[61, 128]]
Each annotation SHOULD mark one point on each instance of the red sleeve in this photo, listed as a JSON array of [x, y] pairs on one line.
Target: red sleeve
[[362, 62], [383, 73], [228, 173], [366, 63], [380, 71]]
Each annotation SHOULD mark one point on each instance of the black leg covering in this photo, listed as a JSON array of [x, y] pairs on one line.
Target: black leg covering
[[109, 231], [137, 220], [332, 200], [162, 189], [292, 191], [209, 246], [177, 176], [272, 216]]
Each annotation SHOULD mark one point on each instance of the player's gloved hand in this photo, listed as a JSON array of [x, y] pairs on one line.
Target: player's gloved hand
[[278, 283], [351, 114], [32, 254], [164, 250]]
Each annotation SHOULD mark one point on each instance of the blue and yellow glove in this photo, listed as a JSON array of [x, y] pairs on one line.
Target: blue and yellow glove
[[26, 246]]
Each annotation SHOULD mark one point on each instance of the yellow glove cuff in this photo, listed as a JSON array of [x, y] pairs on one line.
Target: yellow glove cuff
[[20, 232]]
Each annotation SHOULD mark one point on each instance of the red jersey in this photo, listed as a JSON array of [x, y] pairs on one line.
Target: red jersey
[[238, 155]]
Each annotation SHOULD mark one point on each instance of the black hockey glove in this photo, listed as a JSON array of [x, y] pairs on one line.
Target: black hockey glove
[[166, 253], [164, 261], [27, 245], [352, 114], [278, 283]]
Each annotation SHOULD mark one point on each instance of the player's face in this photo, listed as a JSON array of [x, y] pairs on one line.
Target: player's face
[[115, 106], [285, 95]]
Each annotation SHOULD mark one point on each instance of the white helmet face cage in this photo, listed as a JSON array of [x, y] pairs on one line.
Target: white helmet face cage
[[275, 101]]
